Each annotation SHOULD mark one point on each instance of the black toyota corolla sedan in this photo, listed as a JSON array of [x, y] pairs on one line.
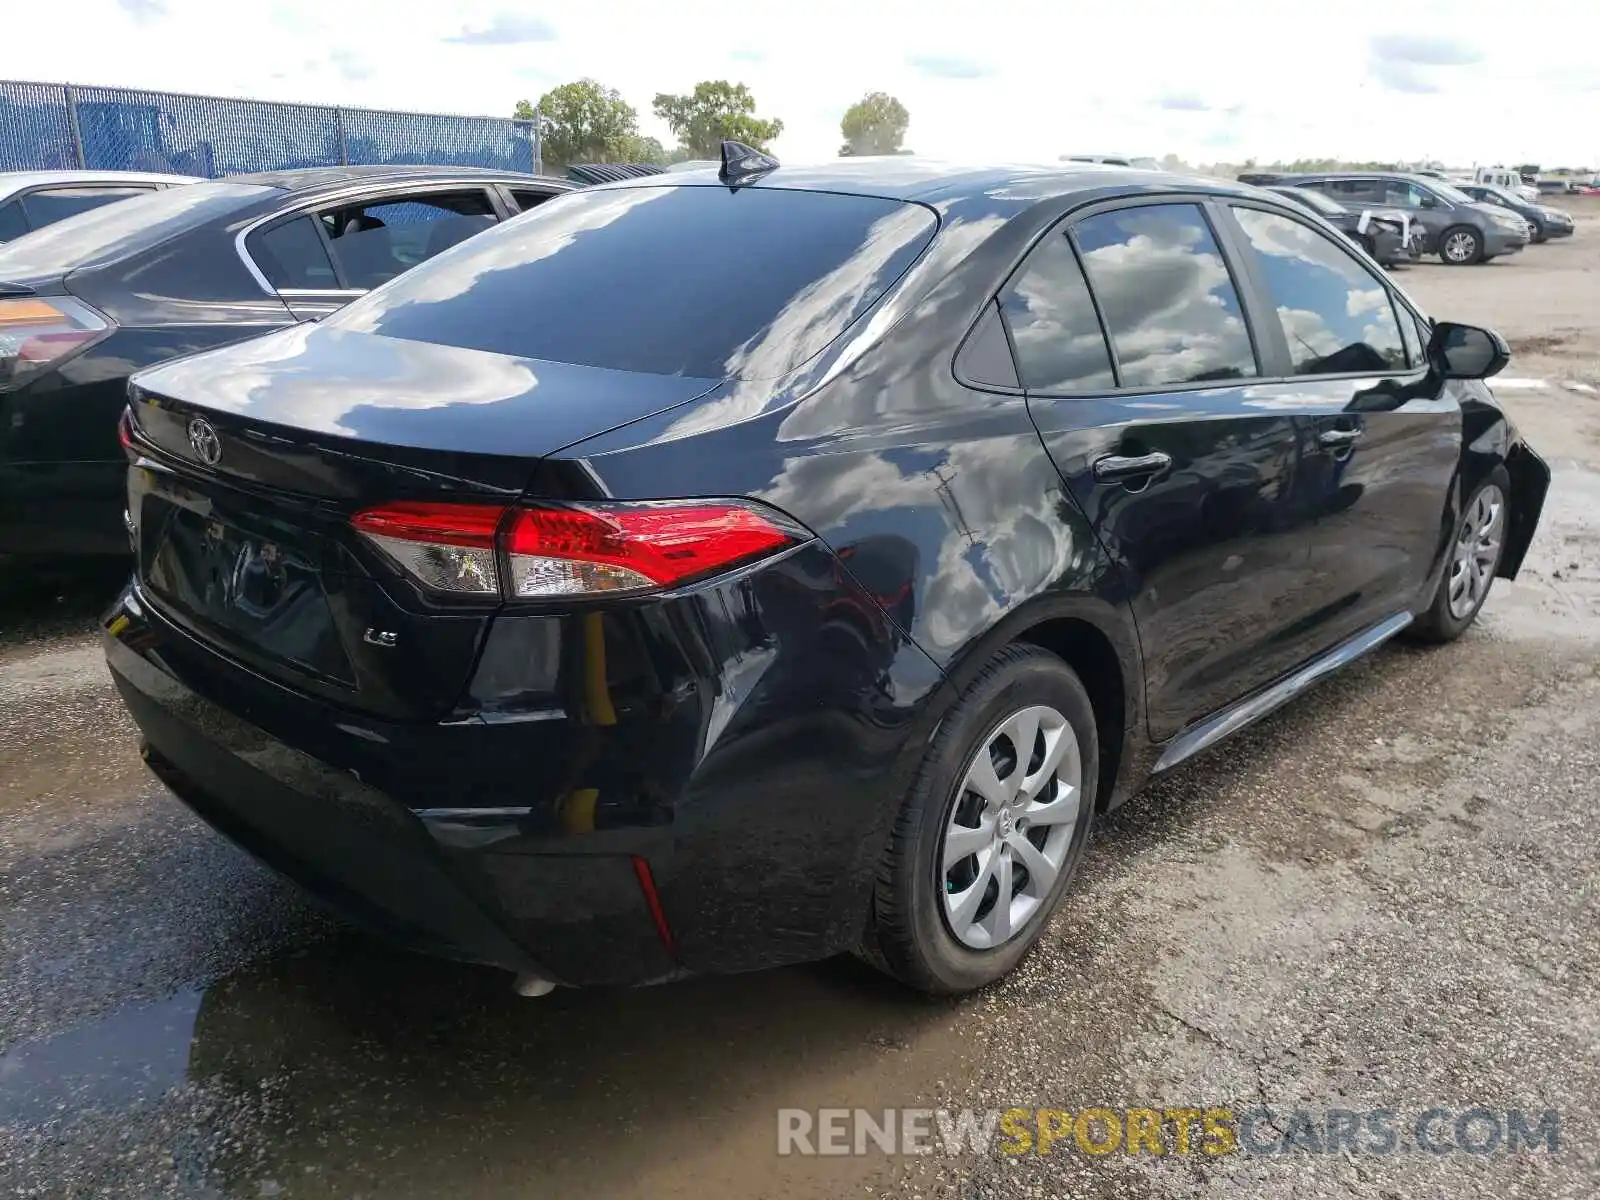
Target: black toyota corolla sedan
[[722, 569], [88, 300]]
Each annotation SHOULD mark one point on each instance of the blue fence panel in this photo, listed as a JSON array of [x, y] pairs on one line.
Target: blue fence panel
[[396, 137], [194, 135], [125, 129], [35, 128]]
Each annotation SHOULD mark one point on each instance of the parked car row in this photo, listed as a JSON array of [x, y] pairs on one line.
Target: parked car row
[[1473, 223]]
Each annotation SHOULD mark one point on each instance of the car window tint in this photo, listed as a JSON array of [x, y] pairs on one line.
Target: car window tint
[[291, 255], [526, 200], [1060, 347], [659, 278], [1337, 317], [1398, 194], [375, 242], [1169, 303], [985, 357], [50, 205], [12, 222]]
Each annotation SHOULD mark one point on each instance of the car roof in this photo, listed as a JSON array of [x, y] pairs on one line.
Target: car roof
[[1002, 188], [315, 178], [16, 181]]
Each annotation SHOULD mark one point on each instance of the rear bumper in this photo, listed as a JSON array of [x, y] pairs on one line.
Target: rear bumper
[[722, 807]]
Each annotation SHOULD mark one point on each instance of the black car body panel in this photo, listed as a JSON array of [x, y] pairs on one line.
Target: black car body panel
[[170, 275], [735, 750]]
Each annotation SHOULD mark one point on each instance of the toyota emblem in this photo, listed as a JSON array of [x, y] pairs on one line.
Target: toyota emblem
[[205, 443]]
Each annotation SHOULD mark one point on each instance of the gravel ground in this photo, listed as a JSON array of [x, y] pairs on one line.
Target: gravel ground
[[1384, 897]]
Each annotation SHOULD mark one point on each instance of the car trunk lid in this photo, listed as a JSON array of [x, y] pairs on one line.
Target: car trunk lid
[[251, 460]]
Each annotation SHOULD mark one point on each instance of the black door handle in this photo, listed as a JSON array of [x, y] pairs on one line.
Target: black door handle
[[1117, 468], [1338, 439]]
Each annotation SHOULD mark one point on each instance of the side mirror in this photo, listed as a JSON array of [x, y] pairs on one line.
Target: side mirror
[[1466, 351], [1429, 202]]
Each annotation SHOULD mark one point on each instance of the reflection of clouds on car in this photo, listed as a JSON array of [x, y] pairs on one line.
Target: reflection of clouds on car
[[1335, 314], [1002, 542], [539, 234], [1166, 295], [825, 304]]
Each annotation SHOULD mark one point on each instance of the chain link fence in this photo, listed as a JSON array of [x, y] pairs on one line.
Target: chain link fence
[[48, 126]]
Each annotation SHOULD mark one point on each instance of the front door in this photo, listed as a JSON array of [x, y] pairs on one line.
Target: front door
[[1163, 439], [1386, 435]]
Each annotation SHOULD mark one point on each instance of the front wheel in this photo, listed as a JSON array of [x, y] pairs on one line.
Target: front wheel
[[1460, 246], [992, 829], [1474, 558]]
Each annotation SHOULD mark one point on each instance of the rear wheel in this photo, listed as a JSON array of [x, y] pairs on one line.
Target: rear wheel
[[992, 829], [1460, 245], [1474, 558]]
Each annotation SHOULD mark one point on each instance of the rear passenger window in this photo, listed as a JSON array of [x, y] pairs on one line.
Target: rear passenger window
[[1168, 300], [1060, 347], [1337, 317], [292, 255], [375, 242]]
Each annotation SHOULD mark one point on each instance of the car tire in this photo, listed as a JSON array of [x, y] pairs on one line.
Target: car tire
[[920, 902], [1469, 571], [1460, 246], [1539, 235]]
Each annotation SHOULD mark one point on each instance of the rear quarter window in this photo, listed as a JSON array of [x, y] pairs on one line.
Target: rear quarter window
[[668, 280]]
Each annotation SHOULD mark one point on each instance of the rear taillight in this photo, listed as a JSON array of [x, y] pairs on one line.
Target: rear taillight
[[38, 332], [579, 550]]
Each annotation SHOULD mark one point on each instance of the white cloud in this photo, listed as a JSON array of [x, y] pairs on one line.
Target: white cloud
[[1014, 80]]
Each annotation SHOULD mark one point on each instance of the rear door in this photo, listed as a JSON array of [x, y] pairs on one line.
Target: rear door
[[1387, 437], [319, 259], [1132, 342]]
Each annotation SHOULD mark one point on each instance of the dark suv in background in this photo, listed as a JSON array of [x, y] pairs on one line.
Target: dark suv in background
[[1460, 230]]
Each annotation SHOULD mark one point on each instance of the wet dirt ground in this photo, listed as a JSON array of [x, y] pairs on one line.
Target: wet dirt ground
[[1383, 897]]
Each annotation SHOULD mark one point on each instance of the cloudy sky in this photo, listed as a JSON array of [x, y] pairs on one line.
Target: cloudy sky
[[1463, 81]]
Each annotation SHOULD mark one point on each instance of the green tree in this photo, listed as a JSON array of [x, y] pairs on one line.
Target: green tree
[[583, 121], [874, 124], [643, 150], [715, 111]]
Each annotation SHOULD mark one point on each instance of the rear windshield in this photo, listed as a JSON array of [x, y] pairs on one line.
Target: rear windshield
[[116, 230], [666, 280]]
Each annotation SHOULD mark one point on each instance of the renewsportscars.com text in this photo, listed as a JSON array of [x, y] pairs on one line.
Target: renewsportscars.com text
[[1098, 1131]]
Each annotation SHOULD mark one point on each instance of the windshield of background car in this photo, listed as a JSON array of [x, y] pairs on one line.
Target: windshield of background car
[[117, 230], [1454, 195], [664, 280]]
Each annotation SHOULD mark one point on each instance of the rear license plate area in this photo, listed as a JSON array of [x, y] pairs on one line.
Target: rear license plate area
[[251, 580]]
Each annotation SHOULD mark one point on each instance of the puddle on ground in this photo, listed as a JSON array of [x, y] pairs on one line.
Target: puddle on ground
[[136, 1054], [354, 1069]]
